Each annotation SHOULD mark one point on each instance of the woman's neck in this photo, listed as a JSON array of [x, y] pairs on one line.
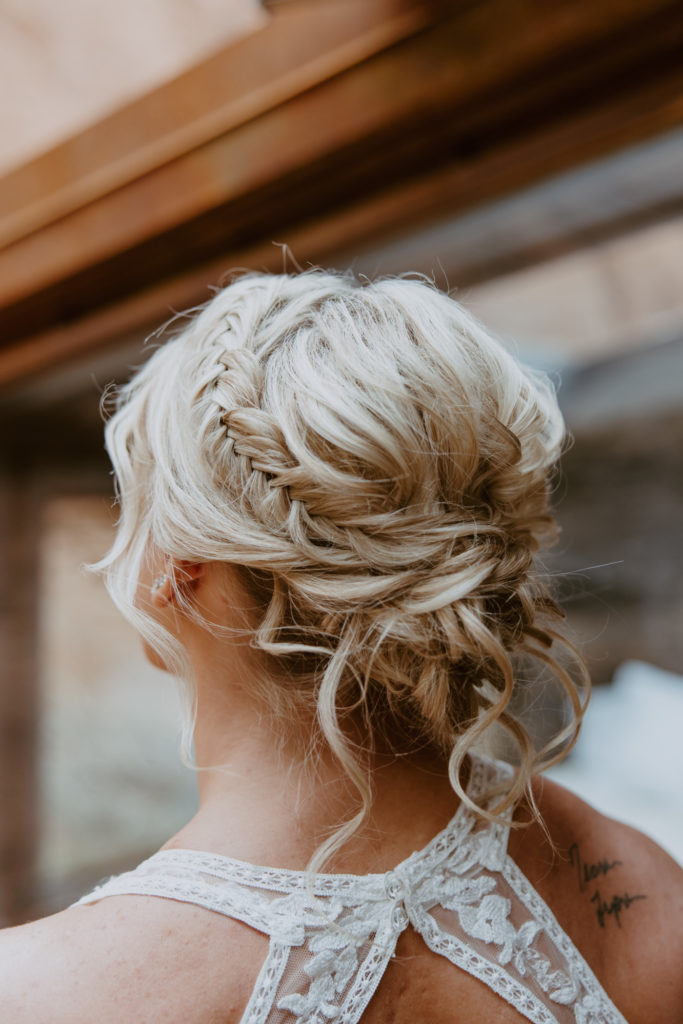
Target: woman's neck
[[272, 795], [269, 801]]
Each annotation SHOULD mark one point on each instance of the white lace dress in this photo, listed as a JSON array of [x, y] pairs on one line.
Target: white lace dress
[[332, 937]]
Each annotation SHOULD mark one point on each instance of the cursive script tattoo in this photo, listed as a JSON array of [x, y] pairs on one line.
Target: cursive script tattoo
[[614, 907], [587, 873]]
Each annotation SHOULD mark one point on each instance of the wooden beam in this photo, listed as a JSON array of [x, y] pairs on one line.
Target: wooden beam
[[496, 96], [302, 44], [464, 61], [624, 192], [512, 163], [264, 138]]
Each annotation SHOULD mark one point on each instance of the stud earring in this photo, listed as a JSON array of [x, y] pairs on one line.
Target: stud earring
[[159, 583]]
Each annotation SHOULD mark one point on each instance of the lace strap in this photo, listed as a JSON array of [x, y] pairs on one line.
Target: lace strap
[[595, 999], [185, 886], [263, 995], [369, 975], [484, 969], [488, 775]]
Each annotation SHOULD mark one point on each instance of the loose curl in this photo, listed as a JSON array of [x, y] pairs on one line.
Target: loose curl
[[377, 466]]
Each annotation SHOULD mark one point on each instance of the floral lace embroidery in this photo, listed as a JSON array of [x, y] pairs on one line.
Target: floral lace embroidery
[[332, 936]]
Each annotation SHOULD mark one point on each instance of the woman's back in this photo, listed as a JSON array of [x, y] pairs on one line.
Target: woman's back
[[142, 958]]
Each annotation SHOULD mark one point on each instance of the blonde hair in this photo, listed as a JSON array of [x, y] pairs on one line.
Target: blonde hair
[[377, 464]]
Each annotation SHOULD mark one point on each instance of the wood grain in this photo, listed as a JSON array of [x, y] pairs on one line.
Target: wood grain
[[485, 99]]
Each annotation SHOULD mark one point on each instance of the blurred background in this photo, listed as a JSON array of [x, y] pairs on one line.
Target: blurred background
[[528, 156]]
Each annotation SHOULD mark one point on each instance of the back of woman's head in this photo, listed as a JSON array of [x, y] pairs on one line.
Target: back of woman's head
[[376, 465]]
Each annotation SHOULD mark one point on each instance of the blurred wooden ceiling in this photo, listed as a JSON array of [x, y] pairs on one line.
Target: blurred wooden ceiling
[[68, 64], [336, 126]]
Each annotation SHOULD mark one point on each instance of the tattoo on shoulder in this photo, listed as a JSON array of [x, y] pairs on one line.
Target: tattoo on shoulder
[[587, 872], [615, 906]]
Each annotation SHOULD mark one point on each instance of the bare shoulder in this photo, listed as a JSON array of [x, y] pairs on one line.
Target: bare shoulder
[[129, 958], [616, 893]]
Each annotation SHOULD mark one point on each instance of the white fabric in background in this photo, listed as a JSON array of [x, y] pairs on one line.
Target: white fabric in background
[[628, 762]]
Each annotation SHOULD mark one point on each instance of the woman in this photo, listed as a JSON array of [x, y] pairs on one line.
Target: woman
[[331, 496]]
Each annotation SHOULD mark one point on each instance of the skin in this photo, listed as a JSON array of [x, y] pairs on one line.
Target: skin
[[145, 960]]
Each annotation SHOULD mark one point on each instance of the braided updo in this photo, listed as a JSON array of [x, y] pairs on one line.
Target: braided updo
[[377, 464]]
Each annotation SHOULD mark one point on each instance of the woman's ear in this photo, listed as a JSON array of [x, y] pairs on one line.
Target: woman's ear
[[187, 575], [167, 587]]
